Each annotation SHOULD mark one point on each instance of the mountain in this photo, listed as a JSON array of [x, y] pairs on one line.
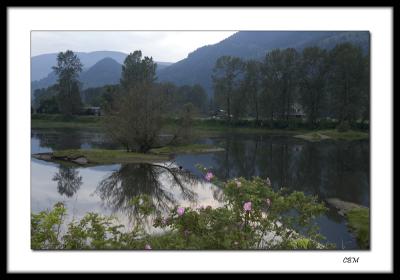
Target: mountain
[[41, 64], [105, 72], [197, 67]]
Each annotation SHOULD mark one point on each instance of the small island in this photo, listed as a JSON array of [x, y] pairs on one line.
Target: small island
[[93, 157]]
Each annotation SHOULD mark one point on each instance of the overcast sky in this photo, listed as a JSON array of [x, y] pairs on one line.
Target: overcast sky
[[168, 46]]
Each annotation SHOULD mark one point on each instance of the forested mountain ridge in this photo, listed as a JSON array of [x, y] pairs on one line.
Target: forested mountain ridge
[[197, 67]]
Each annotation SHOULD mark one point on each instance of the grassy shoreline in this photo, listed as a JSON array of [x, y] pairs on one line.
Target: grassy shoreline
[[357, 217], [94, 157], [201, 128], [333, 134]]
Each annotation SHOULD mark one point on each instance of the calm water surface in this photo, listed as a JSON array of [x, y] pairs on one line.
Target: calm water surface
[[327, 169]]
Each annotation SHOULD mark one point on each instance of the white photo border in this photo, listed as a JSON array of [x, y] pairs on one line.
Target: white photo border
[[21, 21]]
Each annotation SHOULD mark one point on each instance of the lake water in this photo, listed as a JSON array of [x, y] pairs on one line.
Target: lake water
[[328, 169]]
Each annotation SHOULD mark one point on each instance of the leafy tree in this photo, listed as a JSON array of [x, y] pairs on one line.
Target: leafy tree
[[197, 96], [252, 86], [365, 91], [136, 119], [313, 71], [227, 74], [348, 78], [68, 69], [280, 81], [46, 100], [137, 72]]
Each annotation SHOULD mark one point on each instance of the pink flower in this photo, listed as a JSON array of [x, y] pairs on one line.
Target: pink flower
[[180, 211], [268, 181], [268, 201], [209, 176], [247, 206], [147, 247]]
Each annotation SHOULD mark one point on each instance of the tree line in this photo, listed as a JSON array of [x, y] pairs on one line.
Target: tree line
[[67, 98], [315, 83]]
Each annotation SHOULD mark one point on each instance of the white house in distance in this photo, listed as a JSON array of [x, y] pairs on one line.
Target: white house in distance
[[296, 111]]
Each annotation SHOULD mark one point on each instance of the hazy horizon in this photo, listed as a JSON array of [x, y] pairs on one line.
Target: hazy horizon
[[163, 46]]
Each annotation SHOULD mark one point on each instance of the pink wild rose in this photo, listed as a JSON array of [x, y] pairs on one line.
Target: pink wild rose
[[247, 206], [147, 247], [209, 176], [180, 211]]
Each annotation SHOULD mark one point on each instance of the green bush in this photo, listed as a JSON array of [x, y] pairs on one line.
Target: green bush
[[343, 126], [253, 216]]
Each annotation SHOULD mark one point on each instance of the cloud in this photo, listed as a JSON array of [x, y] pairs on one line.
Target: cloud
[[170, 46]]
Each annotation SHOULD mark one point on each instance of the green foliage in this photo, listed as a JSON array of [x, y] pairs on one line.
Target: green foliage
[[311, 85], [343, 126], [68, 69], [46, 226], [227, 78], [137, 71], [358, 219], [313, 71], [273, 221], [348, 82], [94, 232], [46, 100]]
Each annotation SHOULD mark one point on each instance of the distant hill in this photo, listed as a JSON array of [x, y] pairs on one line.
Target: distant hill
[[104, 67], [104, 71], [41, 64], [197, 67]]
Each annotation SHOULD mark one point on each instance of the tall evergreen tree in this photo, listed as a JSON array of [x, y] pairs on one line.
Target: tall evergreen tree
[[68, 68]]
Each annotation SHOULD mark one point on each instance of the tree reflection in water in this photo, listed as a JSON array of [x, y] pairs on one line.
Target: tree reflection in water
[[155, 180], [68, 180], [327, 168]]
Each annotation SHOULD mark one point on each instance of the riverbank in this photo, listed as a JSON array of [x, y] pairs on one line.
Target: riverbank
[[333, 134], [357, 217], [203, 127]]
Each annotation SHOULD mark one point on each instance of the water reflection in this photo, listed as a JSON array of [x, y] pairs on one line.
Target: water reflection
[[60, 139], [68, 181], [327, 169], [130, 180]]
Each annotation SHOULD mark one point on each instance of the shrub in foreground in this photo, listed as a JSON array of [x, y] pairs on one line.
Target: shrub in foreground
[[252, 216]]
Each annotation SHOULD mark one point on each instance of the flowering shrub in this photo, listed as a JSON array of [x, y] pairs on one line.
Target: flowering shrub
[[253, 216]]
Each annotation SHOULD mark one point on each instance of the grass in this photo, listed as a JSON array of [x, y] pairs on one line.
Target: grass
[[358, 221], [200, 128], [186, 149], [103, 156], [52, 124], [334, 135], [60, 121], [209, 130]]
